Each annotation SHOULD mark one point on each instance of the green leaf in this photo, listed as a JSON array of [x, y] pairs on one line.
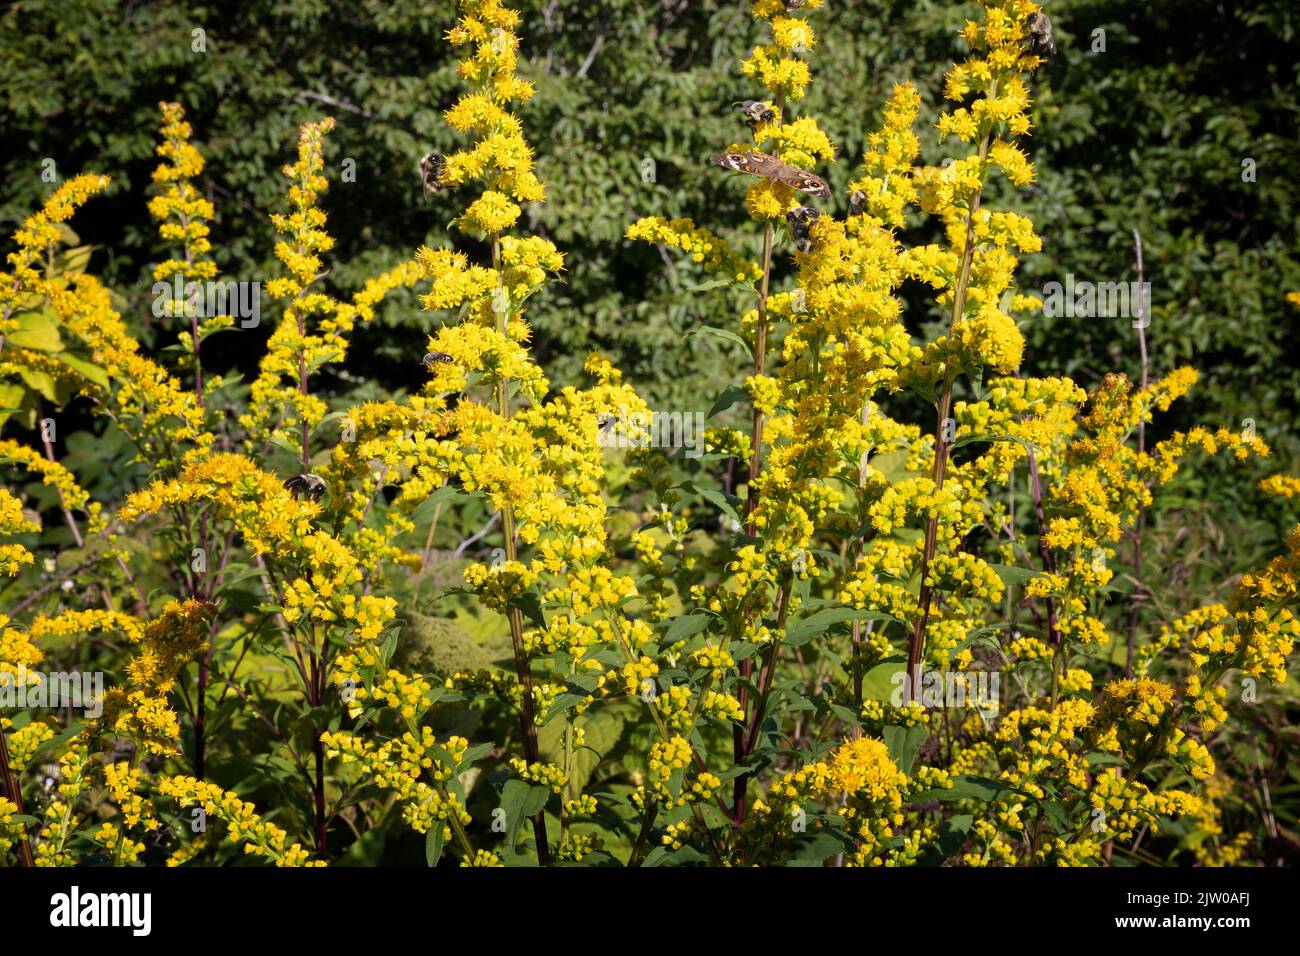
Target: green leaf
[[602, 731], [1055, 815], [85, 368], [1012, 575], [530, 606], [1096, 758], [37, 330], [723, 334], [521, 800], [685, 626], [965, 788], [726, 398], [815, 625], [845, 714], [433, 843], [12, 400], [44, 383], [560, 706], [816, 848], [990, 439], [279, 441], [58, 740], [443, 495], [654, 857], [388, 647], [710, 284], [368, 850], [952, 834], [724, 503], [904, 742], [74, 261]]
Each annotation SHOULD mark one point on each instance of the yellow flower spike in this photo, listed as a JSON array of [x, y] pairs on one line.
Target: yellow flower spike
[[710, 252], [244, 826]]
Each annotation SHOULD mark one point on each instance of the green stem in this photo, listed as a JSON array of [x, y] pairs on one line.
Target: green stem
[[916, 642], [527, 717], [15, 796]]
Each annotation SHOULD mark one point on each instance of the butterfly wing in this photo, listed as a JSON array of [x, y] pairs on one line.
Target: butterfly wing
[[803, 180], [769, 167], [756, 164]]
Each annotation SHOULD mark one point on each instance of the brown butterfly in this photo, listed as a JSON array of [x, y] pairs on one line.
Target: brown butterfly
[[769, 167], [432, 168]]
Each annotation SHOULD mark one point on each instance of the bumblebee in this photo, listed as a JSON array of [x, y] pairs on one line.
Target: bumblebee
[[306, 486], [1040, 35], [857, 202], [432, 169], [800, 220], [756, 113]]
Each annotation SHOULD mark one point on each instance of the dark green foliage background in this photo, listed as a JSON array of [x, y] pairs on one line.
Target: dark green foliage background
[[1149, 134]]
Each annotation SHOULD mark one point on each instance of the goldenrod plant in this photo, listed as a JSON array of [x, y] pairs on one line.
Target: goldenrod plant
[[501, 621]]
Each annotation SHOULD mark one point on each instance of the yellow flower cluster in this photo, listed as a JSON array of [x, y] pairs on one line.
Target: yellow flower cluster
[[401, 764], [146, 401], [543, 774], [1280, 486], [26, 742], [141, 711], [71, 495], [1139, 716], [122, 781], [860, 776], [14, 557], [680, 605], [1037, 746], [243, 825], [888, 187], [712, 254], [183, 215], [16, 650], [11, 831]]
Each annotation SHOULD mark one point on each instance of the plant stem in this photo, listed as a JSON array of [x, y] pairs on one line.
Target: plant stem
[[768, 674], [116, 858], [1142, 444], [647, 822], [738, 735], [316, 698], [858, 675], [916, 642], [1049, 566], [15, 796], [760, 362], [527, 717]]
